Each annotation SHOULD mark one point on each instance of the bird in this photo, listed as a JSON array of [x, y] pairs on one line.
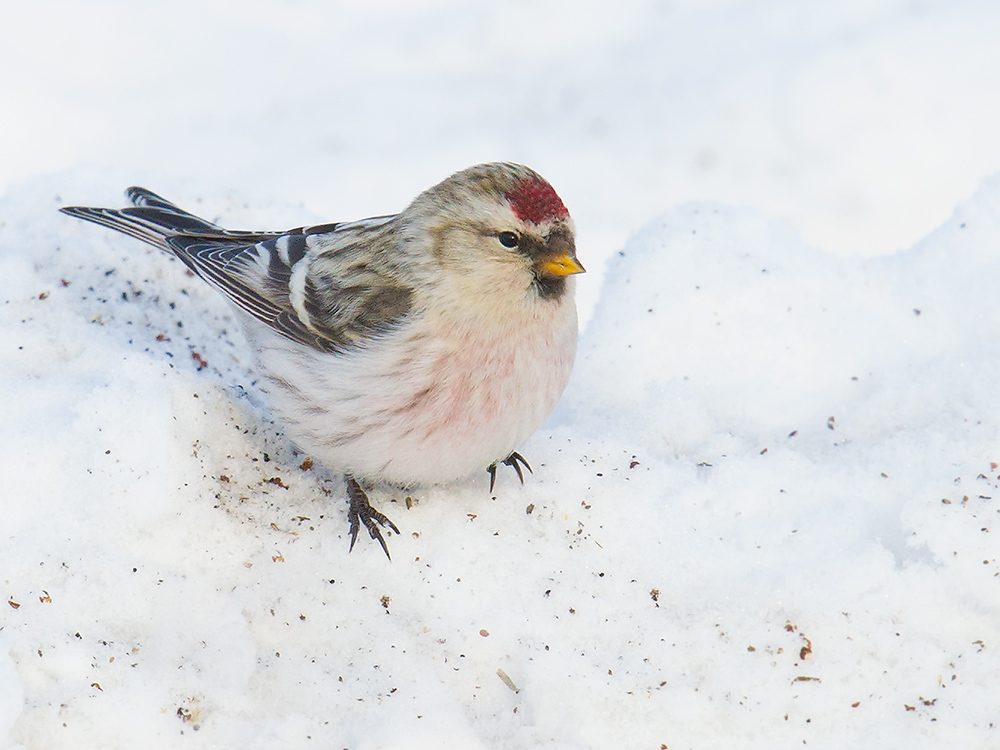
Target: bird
[[413, 349]]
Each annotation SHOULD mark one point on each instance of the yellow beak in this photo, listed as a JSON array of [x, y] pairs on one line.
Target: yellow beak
[[565, 264]]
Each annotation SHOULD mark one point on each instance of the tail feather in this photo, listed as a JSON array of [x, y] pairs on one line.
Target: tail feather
[[151, 218], [121, 222], [157, 221], [158, 210], [139, 196]]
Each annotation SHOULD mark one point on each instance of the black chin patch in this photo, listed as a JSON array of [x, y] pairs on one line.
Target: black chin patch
[[550, 287]]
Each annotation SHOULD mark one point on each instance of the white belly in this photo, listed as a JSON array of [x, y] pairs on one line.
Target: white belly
[[418, 407]]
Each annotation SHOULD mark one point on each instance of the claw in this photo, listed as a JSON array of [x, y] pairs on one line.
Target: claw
[[513, 461], [361, 511]]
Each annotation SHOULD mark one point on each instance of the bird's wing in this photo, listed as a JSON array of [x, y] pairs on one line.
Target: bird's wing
[[346, 302], [332, 306]]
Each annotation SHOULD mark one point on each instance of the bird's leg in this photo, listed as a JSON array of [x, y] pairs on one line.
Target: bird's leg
[[512, 461], [361, 511]]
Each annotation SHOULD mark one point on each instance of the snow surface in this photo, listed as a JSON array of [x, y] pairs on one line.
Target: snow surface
[[765, 513]]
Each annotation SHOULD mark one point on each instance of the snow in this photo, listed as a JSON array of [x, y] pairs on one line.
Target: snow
[[763, 515]]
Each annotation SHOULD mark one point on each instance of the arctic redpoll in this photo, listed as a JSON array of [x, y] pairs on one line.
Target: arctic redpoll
[[412, 349]]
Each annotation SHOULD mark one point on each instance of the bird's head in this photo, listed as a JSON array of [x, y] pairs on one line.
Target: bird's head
[[502, 227]]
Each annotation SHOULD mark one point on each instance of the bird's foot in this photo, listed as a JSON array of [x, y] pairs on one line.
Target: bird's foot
[[512, 461], [361, 511]]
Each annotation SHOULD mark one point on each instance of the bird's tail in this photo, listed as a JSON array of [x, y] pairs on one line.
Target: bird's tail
[[151, 219]]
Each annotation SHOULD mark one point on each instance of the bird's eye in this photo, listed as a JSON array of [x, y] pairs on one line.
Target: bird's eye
[[508, 239]]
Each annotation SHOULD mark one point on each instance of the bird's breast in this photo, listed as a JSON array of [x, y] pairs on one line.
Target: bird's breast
[[431, 403]]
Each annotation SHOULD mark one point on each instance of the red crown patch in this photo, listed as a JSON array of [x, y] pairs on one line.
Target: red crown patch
[[535, 201]]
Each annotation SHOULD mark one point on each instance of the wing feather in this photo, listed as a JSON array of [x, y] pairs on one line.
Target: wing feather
[[344, 306]]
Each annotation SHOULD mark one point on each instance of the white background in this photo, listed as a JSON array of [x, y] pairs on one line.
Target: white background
[[739, 534]]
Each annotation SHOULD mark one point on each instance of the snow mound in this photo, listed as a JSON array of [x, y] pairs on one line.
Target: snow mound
[[764, 513]]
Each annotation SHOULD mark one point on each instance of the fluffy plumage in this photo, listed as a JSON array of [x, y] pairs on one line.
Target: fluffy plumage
[[413, 349]]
